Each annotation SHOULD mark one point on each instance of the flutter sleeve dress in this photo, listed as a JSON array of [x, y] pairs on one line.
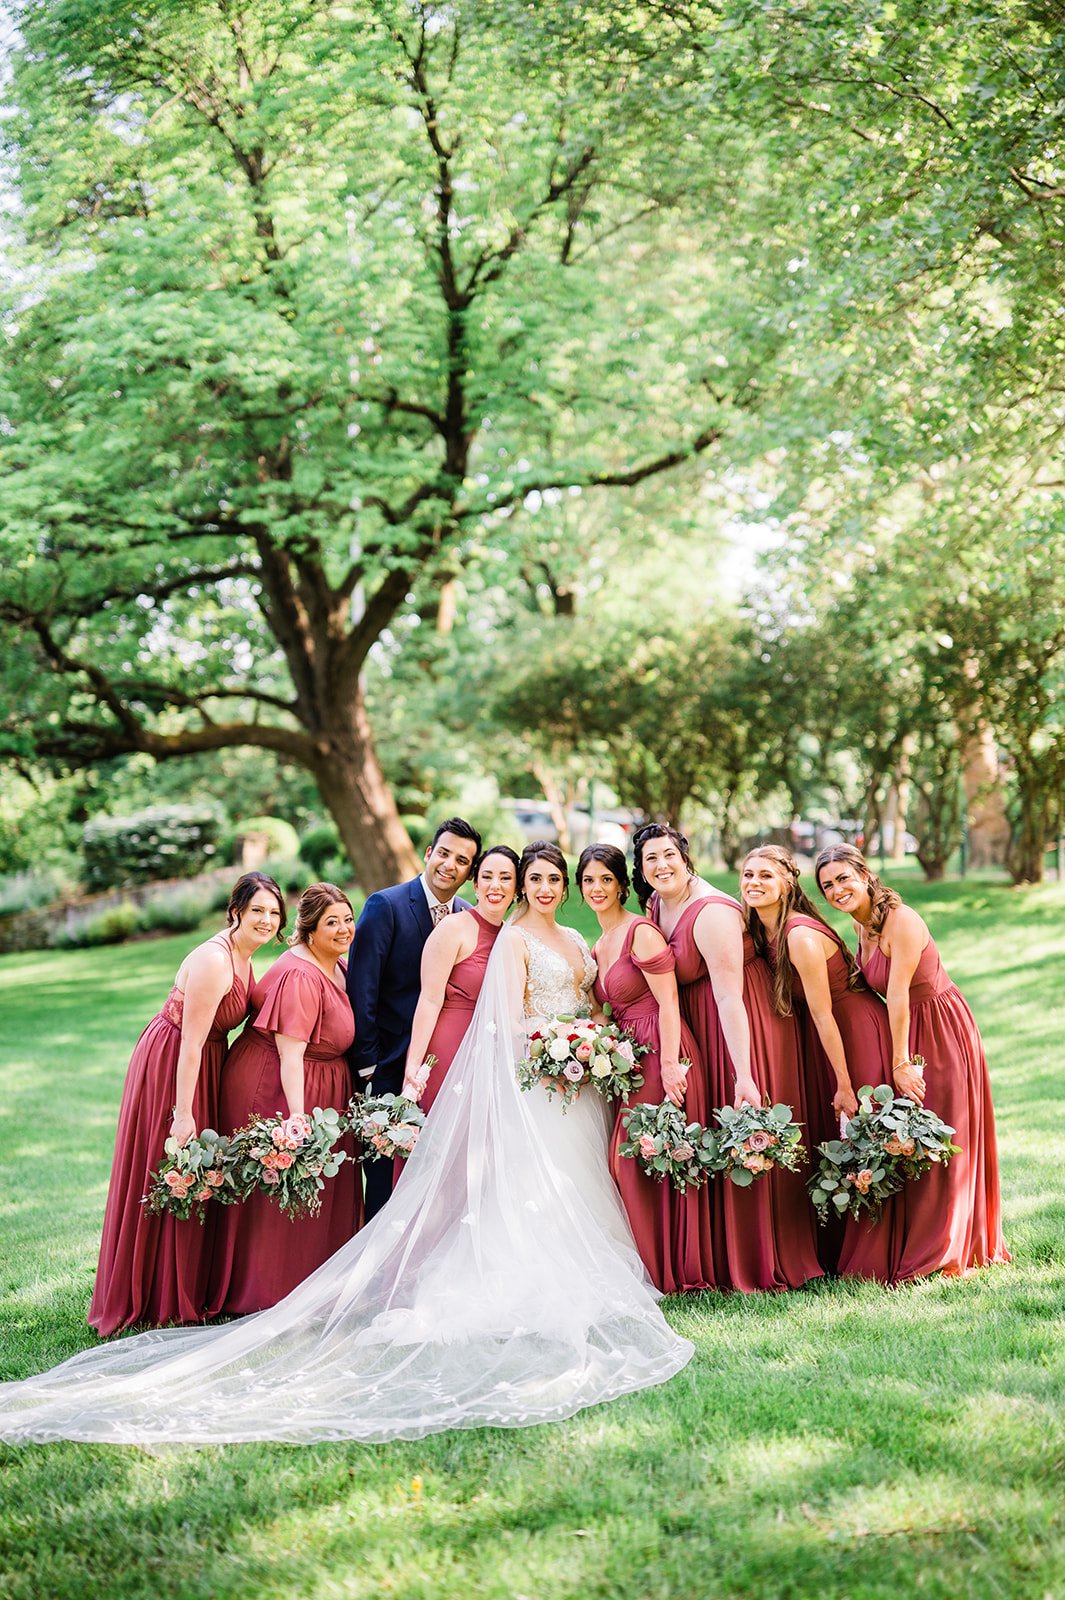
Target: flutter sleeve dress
[[260, 1252]]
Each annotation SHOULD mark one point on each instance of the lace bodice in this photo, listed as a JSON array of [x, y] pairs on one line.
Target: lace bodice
[[550, 989]]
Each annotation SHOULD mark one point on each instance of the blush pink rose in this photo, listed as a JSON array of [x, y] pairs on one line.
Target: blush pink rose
[[756, 1162], [862, 1180], [648, 1147], [296, 1127], [215, 1178], [682, 1151], [174, 1180], [757, 1141], [283, 1160], [584, 1051], [573, 1071], [205, 1194], [271, 1175]]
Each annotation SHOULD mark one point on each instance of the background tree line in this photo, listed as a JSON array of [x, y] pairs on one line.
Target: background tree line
[[385, 387]]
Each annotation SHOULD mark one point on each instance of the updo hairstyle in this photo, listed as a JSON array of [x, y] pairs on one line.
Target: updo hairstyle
[[243, 893], [655, 830], [496, 850], [311, 907], [609, 856], [542, 850]]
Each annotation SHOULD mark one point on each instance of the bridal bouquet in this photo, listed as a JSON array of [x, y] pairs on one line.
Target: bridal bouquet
[[666, 1146], [889, 1139], [754, 1139], [566, 1053], [192, 1174], [289, 1158], [386, 1124]]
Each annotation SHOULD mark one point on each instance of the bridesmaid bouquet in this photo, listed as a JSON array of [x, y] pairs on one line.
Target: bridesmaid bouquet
[[753, 1140], [664, 1145], [386, 1124], [289, 1158], [566, 1053], [889, 1139], [192, 1175]]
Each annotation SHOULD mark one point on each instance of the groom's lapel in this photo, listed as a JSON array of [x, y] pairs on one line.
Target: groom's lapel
[[420, 907]]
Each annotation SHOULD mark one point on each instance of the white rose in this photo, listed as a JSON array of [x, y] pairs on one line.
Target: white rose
[[558, 1049], [600, 1067]]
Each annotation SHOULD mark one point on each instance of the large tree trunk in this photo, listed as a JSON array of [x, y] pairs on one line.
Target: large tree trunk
[[989, 828], [360, 801]]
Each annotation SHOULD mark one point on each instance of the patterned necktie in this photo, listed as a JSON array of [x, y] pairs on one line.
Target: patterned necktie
[[438, 912]]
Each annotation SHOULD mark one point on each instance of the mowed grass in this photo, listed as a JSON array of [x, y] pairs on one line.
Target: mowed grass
[[839, 1442]]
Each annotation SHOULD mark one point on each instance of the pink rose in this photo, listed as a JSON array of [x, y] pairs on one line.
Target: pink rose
[[756, 1163], [174, 1179], [215, 1178], [205, 1194], [758, 1141], [379, 1141], [624, 1049], [573, 1071], [270, 1160], [180, 1189], [863, 1179], [296, 1128], [682, 1151], [648, 1147], [283, 1160], [404, 1135], [271, 1175], [583, 1051]]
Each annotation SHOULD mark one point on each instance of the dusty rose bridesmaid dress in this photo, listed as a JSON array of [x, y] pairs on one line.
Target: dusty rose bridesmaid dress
[[861, 1017], [672, 1230], [762, 1237], [456, 1013], [950, 1220], [153, 1269], [261, 1254]]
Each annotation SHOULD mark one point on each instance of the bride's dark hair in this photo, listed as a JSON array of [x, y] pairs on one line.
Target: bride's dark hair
[[655, 830], [542, 850], [609, 856]]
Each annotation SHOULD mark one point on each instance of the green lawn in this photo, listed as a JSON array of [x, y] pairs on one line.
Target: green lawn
[[840, 1442]]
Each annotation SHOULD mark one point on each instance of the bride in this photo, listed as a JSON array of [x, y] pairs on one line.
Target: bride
[[500, 1285]]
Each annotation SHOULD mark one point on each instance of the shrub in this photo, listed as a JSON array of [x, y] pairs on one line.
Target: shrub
[[162, 842], [290, 872], [25, 891], [107, 927], [178, 912], [282, 840], [320, 846]]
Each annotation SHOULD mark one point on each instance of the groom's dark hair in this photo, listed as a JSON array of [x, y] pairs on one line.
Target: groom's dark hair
[[459, 826]]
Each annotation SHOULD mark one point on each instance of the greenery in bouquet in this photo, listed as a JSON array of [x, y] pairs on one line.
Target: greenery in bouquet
[[565, 1053], [665, 1146], [386, 1124], [752, 1140], [191, 1175], [289, 1158], [889, 1140]]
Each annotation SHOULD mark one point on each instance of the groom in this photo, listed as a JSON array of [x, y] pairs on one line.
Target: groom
[[384, 971]]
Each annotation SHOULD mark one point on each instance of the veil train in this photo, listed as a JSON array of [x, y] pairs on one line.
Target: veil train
[[486, 1293]]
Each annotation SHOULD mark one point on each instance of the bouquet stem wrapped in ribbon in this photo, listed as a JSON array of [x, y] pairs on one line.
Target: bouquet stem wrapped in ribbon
[[889, 1140]]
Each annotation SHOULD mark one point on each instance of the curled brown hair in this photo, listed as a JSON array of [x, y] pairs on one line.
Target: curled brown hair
[[243, 893], [776, 952], [655, 830], [610, 857], [312, 905], [883, 899]]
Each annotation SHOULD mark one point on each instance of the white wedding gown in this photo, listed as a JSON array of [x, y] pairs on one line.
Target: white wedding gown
[[500, 1286]]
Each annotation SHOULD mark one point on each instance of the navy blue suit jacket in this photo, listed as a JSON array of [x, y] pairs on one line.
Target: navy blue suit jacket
[[384, 980]]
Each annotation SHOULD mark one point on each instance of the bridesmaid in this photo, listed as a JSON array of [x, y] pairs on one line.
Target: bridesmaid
[[154, 1269], [843, 1026], [950, 1221], [453, 965], [762, 1237], [290, 1058], [637, 979]]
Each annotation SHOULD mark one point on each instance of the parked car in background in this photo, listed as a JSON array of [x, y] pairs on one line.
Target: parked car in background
[[606, 825]]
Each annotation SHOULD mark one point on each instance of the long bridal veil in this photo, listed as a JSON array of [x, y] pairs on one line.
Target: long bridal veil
[[487, 1292]]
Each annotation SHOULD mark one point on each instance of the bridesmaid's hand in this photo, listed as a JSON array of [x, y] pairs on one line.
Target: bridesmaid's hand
[[413, 1089], [909, 1080], [182, 1128], [845, 1101], [675, 1081], [746, 1093]]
